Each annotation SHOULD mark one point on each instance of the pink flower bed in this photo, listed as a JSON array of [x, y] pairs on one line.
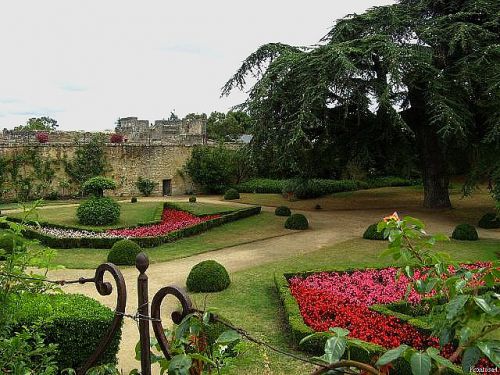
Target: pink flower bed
[[172, 220], [333, 299]]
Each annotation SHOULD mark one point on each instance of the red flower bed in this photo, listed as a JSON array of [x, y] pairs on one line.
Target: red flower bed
[[332, 299], [171, 220]]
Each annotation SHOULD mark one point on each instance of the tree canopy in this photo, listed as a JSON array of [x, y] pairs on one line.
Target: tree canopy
[[39, 123], [419, 77], [228, 127]]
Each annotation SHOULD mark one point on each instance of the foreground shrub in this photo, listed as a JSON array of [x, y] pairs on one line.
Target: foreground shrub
[[208, 276], [371, 233], [98, 211], [7, 243], [74, 322], [192, 199], [145, 186], [489, 221], [282, 211], [297, 221], [124, 252], [133, 200], [231, 194], [465, 232]]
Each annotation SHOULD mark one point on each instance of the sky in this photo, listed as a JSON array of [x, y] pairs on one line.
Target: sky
[[86, 63]]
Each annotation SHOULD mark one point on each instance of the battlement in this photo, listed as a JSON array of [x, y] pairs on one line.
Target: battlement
[[134, 131]]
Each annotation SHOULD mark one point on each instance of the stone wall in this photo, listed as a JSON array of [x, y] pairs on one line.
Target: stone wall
[[126, 163]]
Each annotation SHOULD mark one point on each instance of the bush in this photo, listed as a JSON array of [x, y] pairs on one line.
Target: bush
[[116, 138], [192, 199], [208, 276], [96, 185], [52, 196], [124, 252], [145, 186], [371, 233], [72, 321], [262, 185], [7, 243], [133, 200], [465, 232], [489, 221], [388, 181], [297, 221], [98, 211], [282, 211], [231, 194], [305, 189]]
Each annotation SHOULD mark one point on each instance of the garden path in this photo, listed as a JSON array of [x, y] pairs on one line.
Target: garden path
[[327, 228]]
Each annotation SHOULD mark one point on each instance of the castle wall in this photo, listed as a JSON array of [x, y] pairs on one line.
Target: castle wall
[[126, 163]]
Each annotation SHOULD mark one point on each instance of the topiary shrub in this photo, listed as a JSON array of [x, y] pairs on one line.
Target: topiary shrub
[[297, 221], [98, 211], [133, 200], [124, 252], [192, 199], [72, 321], [208, 276], [282, 211], [489, 221], [371, 233], [96, 185], [318, 207], [231, 194], [7, 243], [465, 232]]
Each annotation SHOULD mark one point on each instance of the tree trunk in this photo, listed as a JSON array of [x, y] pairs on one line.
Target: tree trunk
[[431, 151]]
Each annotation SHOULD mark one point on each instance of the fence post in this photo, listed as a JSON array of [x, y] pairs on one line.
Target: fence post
[[142, 264]]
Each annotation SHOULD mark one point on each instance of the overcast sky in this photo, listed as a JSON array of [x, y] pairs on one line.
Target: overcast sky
[[88, 62]]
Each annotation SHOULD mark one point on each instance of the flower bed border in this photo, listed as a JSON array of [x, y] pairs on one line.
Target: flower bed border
[[363, 351], [145, 242]]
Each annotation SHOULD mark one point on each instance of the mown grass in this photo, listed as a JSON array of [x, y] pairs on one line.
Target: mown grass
[[17, 205], [264, 225], [253, 290], [131, 214]]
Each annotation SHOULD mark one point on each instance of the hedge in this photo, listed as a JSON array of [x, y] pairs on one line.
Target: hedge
[[317, 187], [144, 242], [363, 351], [74, 322]]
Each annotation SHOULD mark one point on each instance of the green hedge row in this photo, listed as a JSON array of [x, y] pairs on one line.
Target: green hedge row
[[144, 242], [313, 188], [74, 322], [363, 351]]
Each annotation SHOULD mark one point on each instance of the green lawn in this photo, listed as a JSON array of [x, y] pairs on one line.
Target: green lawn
[[131, 214], [246, 230], [16, 206], [198, 208], [253, 290]]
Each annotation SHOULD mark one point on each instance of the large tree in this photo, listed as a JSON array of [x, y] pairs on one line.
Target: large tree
[[39, 123], [426, 69]]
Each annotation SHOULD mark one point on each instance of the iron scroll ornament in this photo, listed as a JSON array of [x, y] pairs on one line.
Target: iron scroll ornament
[[105, 289]]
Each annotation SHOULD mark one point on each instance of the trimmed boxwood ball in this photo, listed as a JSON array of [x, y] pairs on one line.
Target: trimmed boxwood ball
[[192, 199], [208, 276], [7, 243], [465, 232], [297, 221], [133, 200], [489, 221], [124, 252], [98, 211], [371, 233], [282, 211], [231, 194]]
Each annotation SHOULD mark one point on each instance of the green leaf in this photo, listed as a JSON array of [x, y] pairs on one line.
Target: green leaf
[[201, 357], [470, 358], [455, 305], [334, 349], [228, 337], [179, 365], [340, 332], [434, 354], [483, 304], [420, 364], [391, 355], [491, 349], [489, 280]]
